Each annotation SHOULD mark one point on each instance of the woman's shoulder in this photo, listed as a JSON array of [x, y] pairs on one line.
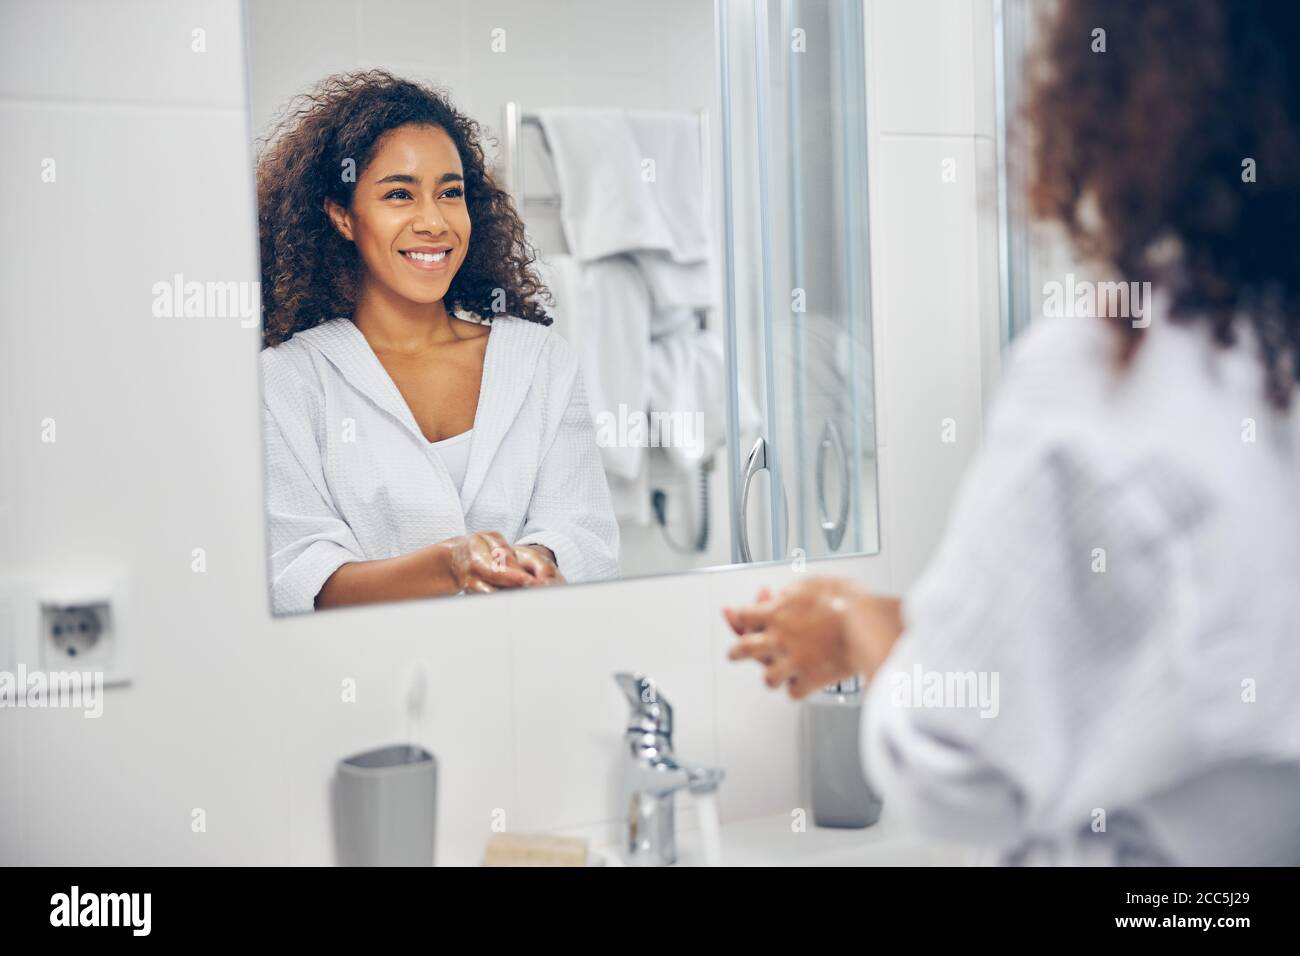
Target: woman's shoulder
[[1067, 430], [290, 374], [1057, 365], [296, 347]]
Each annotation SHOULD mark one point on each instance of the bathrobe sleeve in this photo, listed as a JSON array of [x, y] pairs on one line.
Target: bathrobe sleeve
[[1056, 603], [308, 540], [570, 511]]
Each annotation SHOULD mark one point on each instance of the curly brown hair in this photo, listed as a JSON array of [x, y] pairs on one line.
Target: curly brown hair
[[1153, 136], [310, 273]]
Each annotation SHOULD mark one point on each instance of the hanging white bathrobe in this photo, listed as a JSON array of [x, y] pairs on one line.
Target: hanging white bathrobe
[[350, 476]]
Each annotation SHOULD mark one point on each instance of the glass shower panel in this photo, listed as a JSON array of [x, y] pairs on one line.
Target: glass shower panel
[[799, 279], [823, 405], [744, 109]]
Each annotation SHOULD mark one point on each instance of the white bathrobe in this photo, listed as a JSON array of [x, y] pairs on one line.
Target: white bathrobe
[[1123, 559], [350, 476]]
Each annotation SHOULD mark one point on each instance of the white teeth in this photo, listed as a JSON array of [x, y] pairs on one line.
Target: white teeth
[[427, 256]]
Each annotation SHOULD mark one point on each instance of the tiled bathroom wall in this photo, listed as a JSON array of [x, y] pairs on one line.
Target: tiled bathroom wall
[[158, 460]]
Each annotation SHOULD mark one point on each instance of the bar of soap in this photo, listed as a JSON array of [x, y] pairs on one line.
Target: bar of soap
[[534, 849]]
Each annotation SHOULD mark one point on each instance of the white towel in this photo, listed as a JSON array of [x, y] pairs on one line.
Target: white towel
[[629, 180], [688, 375], [603, 310], [676, 286], [631, 186]]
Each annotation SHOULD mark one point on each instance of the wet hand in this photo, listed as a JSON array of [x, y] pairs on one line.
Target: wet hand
[[539, 561], [814, 632], [483, 561]]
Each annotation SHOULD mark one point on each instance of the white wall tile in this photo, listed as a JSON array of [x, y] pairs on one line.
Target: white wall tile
[[638, 45], [138, 52], [569, 713], [414, 31], [279, 71], [924, 56], [983, 88], [760, 731], [131, 207], [464, 648], [13, 823], [535, 34], [930, 296]]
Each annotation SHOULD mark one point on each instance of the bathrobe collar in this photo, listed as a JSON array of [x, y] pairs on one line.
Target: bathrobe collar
[[509, 363]]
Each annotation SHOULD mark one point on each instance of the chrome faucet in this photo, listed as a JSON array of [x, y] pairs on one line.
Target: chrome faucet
[[652, 774]]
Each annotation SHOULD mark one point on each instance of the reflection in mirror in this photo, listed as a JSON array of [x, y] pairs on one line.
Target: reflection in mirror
[[502, 339], [797, 79], [823, 345]]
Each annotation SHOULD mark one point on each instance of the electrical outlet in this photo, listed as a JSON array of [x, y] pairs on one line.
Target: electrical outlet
[[75, 631], [80, 626], [65, 623]]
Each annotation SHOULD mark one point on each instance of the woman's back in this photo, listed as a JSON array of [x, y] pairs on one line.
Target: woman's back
[[1125, 558]]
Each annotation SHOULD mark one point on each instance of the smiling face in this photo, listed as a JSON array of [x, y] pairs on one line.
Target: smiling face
[[408, 218]]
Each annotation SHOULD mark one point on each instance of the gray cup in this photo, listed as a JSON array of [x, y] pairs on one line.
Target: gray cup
[[385, 807]]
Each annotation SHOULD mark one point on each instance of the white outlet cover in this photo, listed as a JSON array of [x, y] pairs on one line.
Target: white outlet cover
[[22, 628]]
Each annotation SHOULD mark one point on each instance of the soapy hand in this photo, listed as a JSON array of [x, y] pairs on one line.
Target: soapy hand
[[539, 561], [814, 632], [483, 561]]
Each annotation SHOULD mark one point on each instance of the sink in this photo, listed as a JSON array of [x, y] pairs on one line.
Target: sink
[[771, 841]]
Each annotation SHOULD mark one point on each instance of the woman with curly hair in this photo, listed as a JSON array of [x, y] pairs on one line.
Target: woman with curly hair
[[425, 432], [1100, 663]]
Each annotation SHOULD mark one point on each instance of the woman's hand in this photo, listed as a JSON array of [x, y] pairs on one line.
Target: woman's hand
[[482, 562], [468, 563], [815, 632], [539, 561]]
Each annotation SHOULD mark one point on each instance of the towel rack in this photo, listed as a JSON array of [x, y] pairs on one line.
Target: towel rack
[[513, 166]]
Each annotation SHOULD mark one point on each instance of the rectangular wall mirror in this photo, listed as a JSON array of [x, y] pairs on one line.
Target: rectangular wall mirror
[[688, 181]]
